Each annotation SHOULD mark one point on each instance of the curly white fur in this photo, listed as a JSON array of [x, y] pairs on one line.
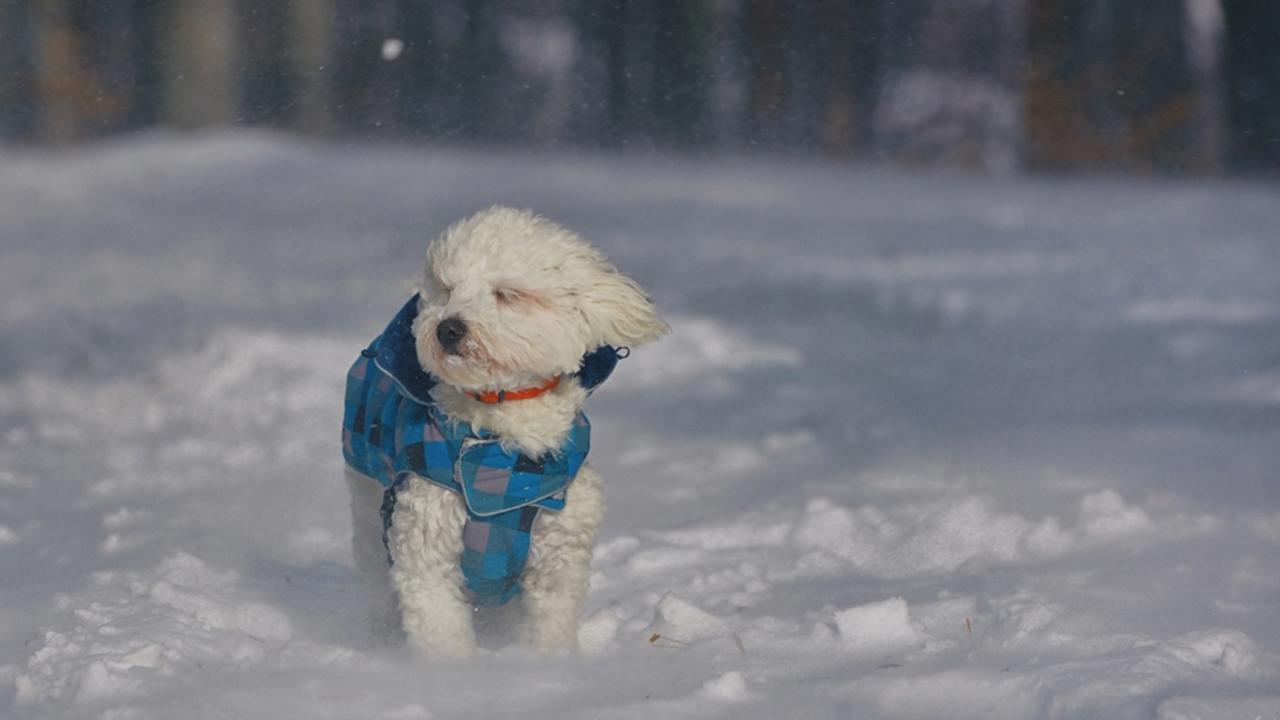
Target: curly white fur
[[535, 298]]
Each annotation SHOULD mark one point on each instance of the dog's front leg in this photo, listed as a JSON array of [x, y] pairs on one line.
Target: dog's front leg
[[425, 542], [556, 582]]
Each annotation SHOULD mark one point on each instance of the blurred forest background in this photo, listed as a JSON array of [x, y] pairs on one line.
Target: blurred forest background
[[1174, 86]]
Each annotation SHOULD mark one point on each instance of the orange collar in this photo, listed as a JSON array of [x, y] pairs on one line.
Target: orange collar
[[493, 397]]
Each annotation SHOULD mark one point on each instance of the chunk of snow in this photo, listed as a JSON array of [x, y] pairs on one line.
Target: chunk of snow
[[877, 627], [597, 632], [1105, 516], [680, 620], [730, 687]]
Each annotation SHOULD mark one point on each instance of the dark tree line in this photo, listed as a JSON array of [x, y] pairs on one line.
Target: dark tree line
[[1056, 84], [1126, 96]]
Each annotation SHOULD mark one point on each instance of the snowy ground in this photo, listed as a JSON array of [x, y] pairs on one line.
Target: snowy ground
[[919, 447]]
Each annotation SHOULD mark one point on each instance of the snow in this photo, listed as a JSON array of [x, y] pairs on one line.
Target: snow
[[877, 627], [920, 445], [679, 621], [597, 632], [730, 687]]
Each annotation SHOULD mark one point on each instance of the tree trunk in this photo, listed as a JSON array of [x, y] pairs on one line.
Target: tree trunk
[[311, 57], [680, 72], [267, 76], [767, 25], [18, 91], [614, 24], [1110, 85], [1252, 68], [200, 63]]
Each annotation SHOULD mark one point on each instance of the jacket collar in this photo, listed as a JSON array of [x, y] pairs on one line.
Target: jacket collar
[[397, 356]]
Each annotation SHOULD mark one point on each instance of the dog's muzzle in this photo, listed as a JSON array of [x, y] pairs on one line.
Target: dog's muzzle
[[450, 333]]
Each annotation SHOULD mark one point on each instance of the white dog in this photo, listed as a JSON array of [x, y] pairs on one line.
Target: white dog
[[464, 435]]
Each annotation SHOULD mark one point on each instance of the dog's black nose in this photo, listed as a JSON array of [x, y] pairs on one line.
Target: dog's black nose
[[450, 332]]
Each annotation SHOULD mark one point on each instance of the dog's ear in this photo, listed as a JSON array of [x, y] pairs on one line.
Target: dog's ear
[[619, 313]]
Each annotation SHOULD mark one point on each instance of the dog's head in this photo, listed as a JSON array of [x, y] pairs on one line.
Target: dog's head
[[509, 299]]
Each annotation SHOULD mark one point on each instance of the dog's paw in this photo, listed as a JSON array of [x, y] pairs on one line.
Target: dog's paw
[[550, 635]]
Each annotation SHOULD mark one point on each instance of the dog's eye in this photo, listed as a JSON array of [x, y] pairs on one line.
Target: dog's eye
[[507, 295]]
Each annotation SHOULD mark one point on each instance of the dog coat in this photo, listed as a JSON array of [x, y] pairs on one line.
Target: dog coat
[[392, 430]]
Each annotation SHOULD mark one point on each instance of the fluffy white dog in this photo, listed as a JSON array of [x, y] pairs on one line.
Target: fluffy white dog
[[464, 434]]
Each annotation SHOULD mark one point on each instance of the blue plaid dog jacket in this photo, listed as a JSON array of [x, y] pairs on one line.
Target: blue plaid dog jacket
[[392, 430]]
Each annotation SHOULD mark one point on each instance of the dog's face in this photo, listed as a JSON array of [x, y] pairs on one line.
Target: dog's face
[[509, 299]]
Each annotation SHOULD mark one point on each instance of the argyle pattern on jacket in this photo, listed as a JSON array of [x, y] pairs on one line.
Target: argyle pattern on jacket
[[392, 434]]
